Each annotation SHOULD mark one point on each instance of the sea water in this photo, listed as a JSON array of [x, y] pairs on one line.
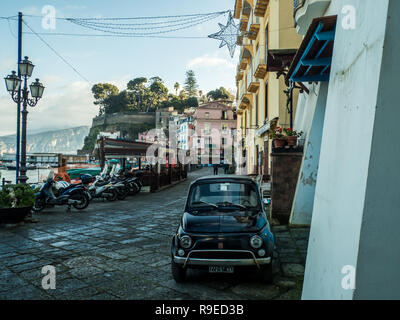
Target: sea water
[[34, 176]]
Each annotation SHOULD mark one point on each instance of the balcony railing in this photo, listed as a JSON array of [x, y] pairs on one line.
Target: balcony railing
[[297, 4], [261, 64], [254, 27], [242, 89], [250, 74]]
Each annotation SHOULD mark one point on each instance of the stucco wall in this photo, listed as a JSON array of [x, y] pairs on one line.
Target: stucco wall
[[138, 118], [313, 108], [378, 262], [345, 151]]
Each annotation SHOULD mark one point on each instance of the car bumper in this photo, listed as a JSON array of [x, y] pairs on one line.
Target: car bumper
[[222, 262]]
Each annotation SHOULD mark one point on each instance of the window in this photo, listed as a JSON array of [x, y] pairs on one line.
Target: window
[[224, 128], [256, 110], [225, 115], [207, 128], [223, 141], [266, 100], [207, 115], [224, 194]]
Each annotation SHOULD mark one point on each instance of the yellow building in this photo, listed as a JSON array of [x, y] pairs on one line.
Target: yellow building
[[268, 41]]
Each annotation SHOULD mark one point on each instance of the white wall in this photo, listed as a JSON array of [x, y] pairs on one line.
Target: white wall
[[378, 275], [314, 110], [345, 151]]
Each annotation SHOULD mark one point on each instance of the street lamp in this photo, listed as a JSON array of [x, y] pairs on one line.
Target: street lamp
[[13, 85]]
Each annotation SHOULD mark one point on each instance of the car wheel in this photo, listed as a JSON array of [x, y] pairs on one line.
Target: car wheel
[[266, 273], [178, 272]]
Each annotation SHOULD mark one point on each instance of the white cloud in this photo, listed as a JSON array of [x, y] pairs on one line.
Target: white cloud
[[211, 61], [61, 107]]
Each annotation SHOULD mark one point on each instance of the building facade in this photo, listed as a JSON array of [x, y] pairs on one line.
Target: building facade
[[268, 42], [214, 123]]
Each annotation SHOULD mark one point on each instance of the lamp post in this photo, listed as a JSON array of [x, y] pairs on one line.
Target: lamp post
[[13, 85]]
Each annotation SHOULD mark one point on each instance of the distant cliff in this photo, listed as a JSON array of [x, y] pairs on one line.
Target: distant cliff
[[57, 141]]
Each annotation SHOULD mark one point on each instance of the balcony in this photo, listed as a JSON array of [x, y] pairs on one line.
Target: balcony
[[245, 97], [253, 84], [244, 23], [243, 63], [261, 8], [239, 40], [254, 27], [261, 65], [306, 10]]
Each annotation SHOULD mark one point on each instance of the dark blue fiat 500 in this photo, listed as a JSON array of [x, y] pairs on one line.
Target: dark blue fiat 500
[[224, 227]]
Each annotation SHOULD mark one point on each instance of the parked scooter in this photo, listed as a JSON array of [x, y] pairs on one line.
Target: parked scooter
[[73, 195]]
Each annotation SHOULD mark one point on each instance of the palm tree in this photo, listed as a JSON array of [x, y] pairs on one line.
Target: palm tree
[[176, 87]]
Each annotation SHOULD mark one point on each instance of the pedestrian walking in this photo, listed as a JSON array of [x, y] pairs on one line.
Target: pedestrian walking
[[226, 168], [215, 169]]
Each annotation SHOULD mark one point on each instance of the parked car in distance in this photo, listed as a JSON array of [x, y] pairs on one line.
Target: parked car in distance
[[224, 228]]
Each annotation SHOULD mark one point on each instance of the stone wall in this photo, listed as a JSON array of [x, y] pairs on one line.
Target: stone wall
[[118, 118], [284, 174]]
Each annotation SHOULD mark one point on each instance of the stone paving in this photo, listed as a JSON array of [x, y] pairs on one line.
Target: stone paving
[[121, 250]]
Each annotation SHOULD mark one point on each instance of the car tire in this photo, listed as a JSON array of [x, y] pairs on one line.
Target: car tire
[[178, 272], [266, 273]]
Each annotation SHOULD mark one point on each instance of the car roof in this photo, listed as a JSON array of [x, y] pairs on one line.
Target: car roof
[[225, 177]]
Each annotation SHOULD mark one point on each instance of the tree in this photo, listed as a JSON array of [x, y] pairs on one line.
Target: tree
[[176, 87], [220, 94], [139, 93], [191, 84], [101, 93]]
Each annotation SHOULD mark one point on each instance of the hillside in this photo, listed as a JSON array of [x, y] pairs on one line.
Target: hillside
[[57, 141]]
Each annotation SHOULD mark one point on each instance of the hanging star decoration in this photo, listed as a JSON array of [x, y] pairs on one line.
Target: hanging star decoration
[[228, 34]]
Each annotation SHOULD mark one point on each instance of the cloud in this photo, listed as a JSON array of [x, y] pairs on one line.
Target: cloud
[[211, 61], [61, 107]]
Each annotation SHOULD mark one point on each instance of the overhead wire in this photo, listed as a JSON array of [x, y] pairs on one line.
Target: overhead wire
[[59, 55]]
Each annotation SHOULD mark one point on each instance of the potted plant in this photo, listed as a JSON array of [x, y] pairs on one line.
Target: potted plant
[[292, 136], [278, 138], [16, 202]]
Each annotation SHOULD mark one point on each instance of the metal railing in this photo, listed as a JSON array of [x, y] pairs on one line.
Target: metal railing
[[297, 4], [250, 73], [242, 88]]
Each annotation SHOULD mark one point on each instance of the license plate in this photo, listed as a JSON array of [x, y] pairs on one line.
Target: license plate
[[220, 269]]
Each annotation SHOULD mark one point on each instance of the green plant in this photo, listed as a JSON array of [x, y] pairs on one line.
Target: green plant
[[17, 196], [277, 134], [289, 132]]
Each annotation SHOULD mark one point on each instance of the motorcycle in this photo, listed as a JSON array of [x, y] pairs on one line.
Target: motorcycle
[[73, 195]]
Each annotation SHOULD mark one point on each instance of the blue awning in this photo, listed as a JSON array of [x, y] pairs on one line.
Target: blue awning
[[313, 60]]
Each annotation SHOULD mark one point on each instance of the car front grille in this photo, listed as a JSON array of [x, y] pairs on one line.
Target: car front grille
[[221, 255]]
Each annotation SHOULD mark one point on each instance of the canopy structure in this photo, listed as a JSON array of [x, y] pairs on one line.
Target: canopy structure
[[121, 149], [312, 62]]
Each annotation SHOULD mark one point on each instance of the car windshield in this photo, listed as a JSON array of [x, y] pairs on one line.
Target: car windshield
[[224, 195]]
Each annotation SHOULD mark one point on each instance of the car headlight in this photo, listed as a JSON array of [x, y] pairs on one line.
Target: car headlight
[[256, 242], [186, 242]]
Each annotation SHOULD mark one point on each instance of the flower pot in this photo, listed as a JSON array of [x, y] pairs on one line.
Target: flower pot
[[279, 143], [292, 141], [14, 215]]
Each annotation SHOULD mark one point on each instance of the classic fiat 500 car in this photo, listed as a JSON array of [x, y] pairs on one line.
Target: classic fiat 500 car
[[224, 228]]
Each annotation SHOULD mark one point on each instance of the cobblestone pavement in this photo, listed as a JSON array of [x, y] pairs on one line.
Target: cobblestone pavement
[[121, 250]]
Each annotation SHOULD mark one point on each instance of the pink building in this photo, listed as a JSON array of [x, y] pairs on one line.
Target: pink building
[[214, 122]]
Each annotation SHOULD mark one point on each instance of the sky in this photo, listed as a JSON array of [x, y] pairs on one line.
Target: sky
[[67, 101]]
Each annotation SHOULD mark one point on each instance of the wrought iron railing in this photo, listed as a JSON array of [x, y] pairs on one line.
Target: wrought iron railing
[[297, 4]]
